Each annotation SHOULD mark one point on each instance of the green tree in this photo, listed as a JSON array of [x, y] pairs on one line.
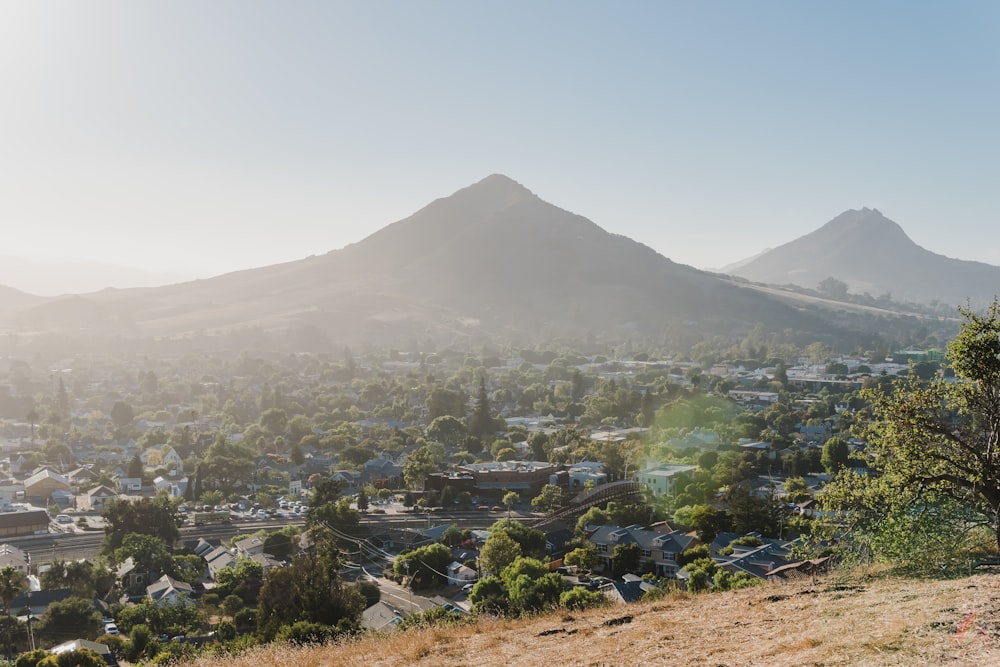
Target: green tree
[[796, 490], [579, 598], [278, 545], [549, 499], [510, 499], [72, 617], [12, 583], [146, 516], [309, 589], [419, 465], [122, 414], [81, 657], [531, 540], [447, 430], [243, 578], [499, 551], [274, 421], [135, 467], [149, 553], [836, 454], [625, 559], [329, 509], [425, 566], [227, 465], [584, 557], [31, 658], [489, 596], [530, 586], [932, 446], [709, 522], [362, 501], [481, 422]]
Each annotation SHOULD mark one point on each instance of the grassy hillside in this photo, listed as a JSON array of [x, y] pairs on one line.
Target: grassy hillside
[[839, 620]]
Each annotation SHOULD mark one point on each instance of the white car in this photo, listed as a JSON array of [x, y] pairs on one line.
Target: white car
[[64, 518], [110, 629]]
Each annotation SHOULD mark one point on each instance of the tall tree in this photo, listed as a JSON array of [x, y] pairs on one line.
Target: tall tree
[[836, 454], [147, 516], [122, 414], [12, 583], [934, 445], [310, 589], [481, 421]]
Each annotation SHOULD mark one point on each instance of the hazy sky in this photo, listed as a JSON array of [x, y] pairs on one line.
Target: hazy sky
[[201, 137]]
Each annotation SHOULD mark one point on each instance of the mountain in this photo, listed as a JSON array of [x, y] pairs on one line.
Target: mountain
[[871, 253], [52, 277], [492, 260]]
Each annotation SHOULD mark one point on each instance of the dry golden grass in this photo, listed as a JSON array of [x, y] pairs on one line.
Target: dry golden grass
[[857, 620]]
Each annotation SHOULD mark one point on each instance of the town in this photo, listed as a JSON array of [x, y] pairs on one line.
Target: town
[[155, 508]]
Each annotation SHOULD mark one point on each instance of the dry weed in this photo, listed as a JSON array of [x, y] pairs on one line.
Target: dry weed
[[868, 619]]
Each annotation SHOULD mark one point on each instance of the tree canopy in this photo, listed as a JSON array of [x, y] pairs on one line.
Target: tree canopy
[[934, 451]]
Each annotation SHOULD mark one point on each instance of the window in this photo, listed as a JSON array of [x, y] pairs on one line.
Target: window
[[646, 553], [669, 556], [602, 548]]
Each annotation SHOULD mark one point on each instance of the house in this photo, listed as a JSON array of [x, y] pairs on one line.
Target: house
[[381, 469], [631, 589], [97, 498], [556, 540], [63, 498], [760, 561], [381, 617], [82, 478], [130, 576], [217, 559], [162, 456], [101, 649], [175, 487], [38, 601], [11, 556], [39, 486], [26, 522], [129, 484], [658, 551], [167, 590], [661, 479], [249, 546], [459, 574], [11, 491]]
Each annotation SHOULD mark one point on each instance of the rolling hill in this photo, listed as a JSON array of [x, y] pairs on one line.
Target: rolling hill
[[871, 253], [492, 260]]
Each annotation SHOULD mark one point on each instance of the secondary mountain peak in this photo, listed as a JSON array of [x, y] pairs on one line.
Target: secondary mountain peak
[[871, 253]]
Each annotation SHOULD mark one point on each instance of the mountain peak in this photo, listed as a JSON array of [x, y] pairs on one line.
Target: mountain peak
[[865, 225], [498, 188]]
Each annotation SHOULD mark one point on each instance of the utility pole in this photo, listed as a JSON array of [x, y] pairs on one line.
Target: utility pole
[[31, 635]]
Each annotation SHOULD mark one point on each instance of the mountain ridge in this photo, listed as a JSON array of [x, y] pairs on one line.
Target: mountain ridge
[[872, 254], [491, 260]]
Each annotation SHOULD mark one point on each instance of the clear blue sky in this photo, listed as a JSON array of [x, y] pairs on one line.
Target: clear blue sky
[[203, 137]]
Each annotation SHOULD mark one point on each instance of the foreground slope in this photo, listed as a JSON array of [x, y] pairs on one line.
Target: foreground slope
[[833, 621], [871, 253], [493, 259]]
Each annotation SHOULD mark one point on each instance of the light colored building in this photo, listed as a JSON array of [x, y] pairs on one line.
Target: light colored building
[[11, 556], [661, 479]]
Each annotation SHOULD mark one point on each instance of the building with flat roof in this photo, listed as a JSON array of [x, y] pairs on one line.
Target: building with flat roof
[[661, 479]]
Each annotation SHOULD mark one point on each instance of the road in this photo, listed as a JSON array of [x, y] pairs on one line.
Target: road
[[403, 598]]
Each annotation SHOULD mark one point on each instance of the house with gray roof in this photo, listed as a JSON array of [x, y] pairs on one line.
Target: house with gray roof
[[658, 551]]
